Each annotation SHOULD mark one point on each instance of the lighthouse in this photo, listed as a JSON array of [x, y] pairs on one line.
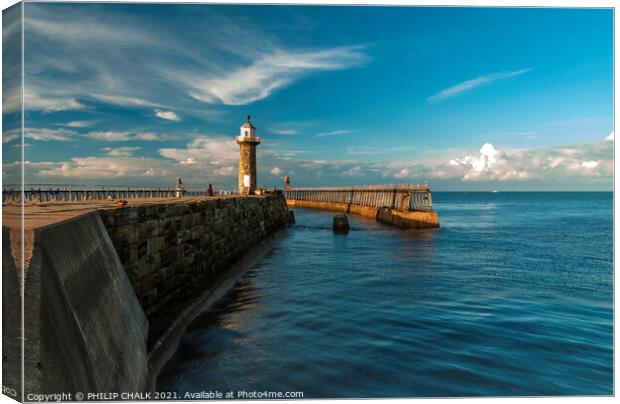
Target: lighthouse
[[247, 141]]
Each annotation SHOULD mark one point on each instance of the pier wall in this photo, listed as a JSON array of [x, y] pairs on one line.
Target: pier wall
[[84, 328], [11, 322], [170, 250], [405, 219], [97, 283]]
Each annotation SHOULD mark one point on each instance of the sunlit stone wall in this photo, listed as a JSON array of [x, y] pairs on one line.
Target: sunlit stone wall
[[170, 251]]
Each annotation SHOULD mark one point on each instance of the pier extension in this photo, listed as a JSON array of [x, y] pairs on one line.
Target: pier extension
[[405, 206]]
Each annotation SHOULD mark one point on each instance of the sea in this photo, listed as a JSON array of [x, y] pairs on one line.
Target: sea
[[511, 296]]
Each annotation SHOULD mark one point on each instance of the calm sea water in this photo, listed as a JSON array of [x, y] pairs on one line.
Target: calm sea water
[[512, 296]]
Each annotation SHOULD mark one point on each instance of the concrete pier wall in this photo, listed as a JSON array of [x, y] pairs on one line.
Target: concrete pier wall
[[97, 283], [85, 330], [404, 219], [11, 322]]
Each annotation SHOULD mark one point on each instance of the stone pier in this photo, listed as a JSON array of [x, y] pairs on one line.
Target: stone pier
[[407, 206], [108, 289]]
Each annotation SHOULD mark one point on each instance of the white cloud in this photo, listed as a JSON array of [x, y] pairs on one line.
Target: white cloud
[[10, 135], [590, 164], [89, 30], [79, 124], [283, 131], [275, 69], [404, 173], [126, 101], [153, 137], [96, 63], [481, 163], [107, 168], [489, 163], [40, 97], [33, 100], [353, 172], [215, 160], [334, 133], [467, 85], [610, 136], [206, 157], [188, 162], [224, 171], [58, 105], [40, 134], [119, 169], [242, 64], [582, 160], [120, 151], [112, 136], [167, 115], [11, 98], [205, 150]]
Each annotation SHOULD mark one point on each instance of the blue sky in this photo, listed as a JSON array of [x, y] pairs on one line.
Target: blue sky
[[466, 98]]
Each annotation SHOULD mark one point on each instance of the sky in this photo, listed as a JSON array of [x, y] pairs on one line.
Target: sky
[[468, 99]]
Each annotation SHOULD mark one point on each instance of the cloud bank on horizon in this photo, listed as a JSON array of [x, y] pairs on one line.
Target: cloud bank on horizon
[[115, 96]]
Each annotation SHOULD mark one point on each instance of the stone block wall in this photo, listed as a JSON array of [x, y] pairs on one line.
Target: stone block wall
[[171, 251], [247, 166]]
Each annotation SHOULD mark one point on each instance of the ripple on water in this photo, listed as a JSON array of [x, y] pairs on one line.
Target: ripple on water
[[512, 296]]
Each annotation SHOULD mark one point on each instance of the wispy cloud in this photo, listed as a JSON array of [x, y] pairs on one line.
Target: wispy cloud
[[241, 65], [334, 133], [112, 136], [272, 71], [120, 151], [125, 101], [40, 134], [79, 124], [283, 131], [468, 85], [95, 64], [11, 135], [167, 115], [50, 103]]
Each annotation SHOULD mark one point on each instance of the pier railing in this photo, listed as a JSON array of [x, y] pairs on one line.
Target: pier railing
[[399, 197], [75, 193]]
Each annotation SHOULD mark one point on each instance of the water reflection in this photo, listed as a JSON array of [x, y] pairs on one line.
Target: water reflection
[[482, 306]]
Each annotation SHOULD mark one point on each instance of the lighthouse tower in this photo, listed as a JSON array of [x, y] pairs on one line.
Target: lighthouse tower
[[247, 141]]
